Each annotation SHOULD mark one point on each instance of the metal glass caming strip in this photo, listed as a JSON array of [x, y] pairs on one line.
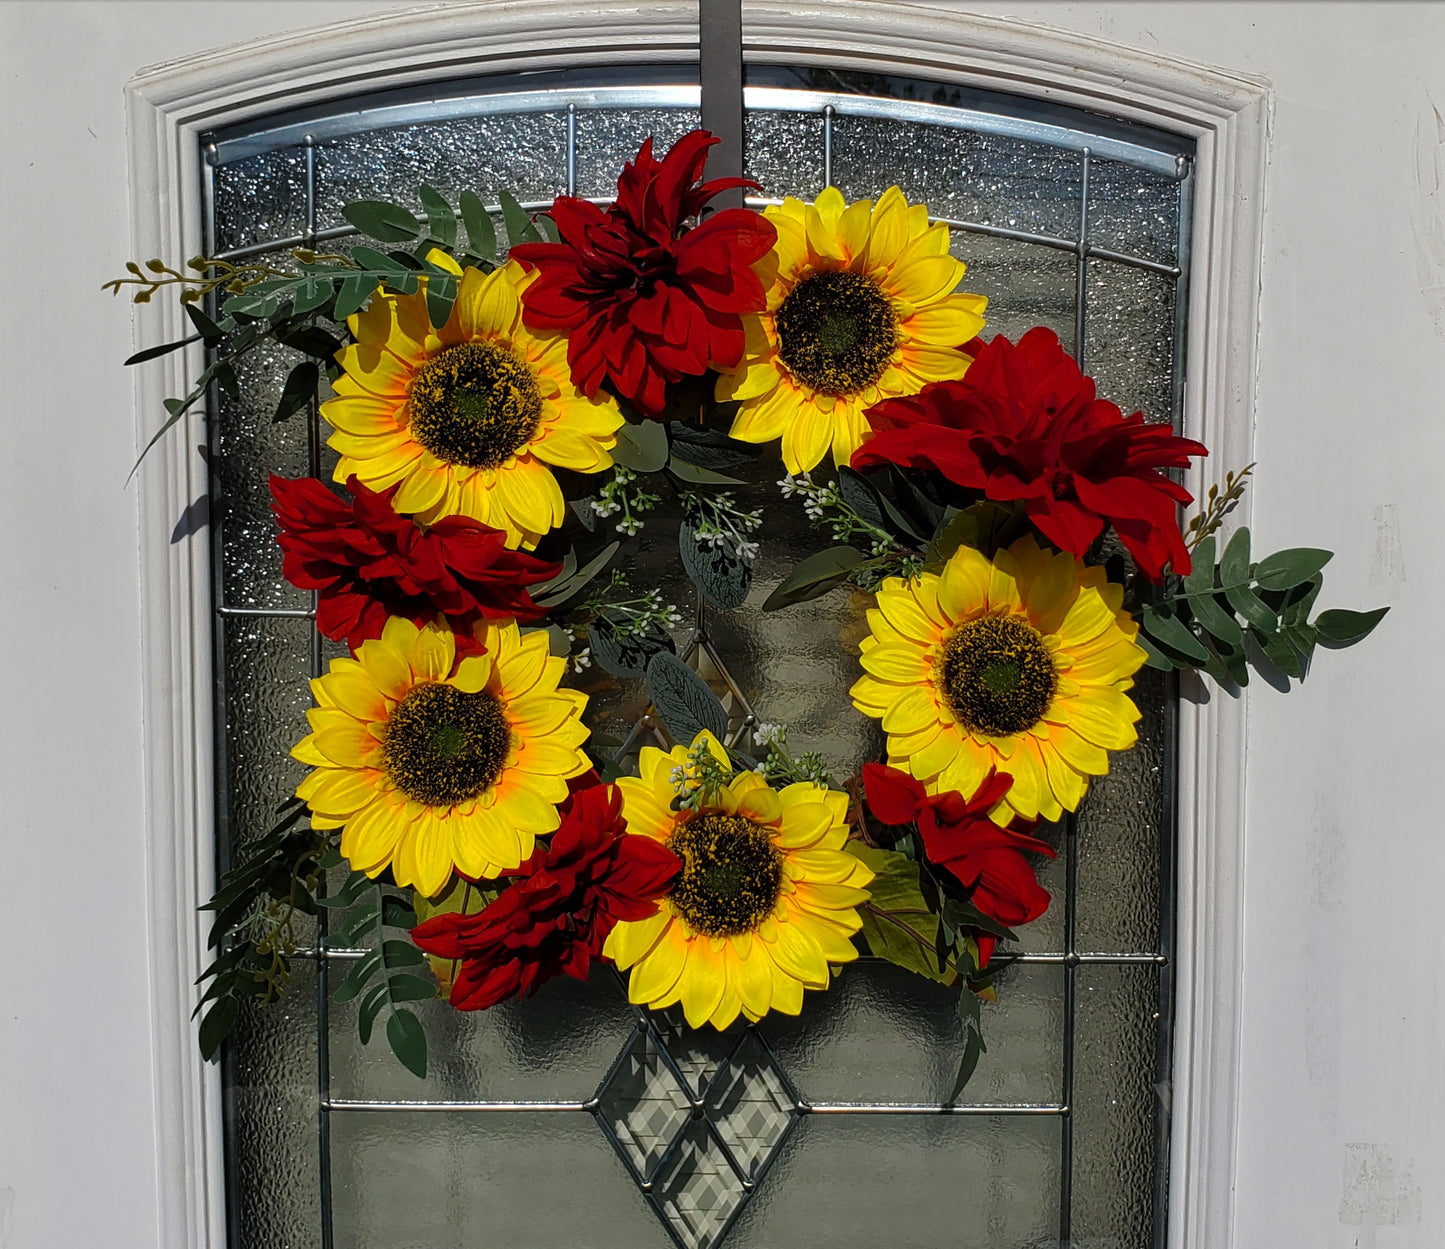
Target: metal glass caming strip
[[828, 106]]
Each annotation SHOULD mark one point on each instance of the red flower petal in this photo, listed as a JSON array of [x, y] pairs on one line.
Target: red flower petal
[[645, 301], [1024, 424], [368, 562], [554, 919]]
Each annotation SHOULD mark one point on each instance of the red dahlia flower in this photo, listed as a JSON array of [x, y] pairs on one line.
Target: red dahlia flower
[[959, 836], [368, 563], [644, 300], [1024, 423], [555, 917]]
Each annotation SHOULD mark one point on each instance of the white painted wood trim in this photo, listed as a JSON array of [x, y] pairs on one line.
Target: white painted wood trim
[[170, 105]]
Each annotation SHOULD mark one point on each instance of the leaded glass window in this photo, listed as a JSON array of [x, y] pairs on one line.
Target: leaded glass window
[[572, 1118]]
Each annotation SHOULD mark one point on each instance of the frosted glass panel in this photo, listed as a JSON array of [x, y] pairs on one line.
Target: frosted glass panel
[[989, 179], [460, 1181], [1117, 1095], [556, 1047], [271, 1089], [910, 1182], [524, 153], [607, 137], [1134, 211], [1130, 337], [661, 1130], [835, 1051], [261, 198]]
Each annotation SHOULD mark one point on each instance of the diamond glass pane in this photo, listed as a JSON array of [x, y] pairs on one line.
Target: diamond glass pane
[[658, 1135]]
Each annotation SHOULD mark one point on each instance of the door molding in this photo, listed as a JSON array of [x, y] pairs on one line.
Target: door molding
[[169, 107]]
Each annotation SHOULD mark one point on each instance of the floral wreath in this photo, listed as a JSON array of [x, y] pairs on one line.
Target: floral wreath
[[1019, 538]]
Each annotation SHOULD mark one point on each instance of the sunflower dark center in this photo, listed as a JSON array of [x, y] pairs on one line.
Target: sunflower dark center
[[837, 332], [444, 746], [997, 676], [731, 874], [476, 405]]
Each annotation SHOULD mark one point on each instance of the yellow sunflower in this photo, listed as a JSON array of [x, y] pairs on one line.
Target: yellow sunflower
[[766, 900], [861, 306], [468, 417], [426, 770], [1020, 663]]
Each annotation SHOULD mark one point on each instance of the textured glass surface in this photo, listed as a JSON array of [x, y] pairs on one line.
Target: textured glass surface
[[260, 198], [271, 1088], [250, 447], [910, 1182], [554, 1047], [1118, 899], [784, 153], [608, 137], [267, 696], [1026, 284], [1129, 336], [524, 153], [1116, 1096], [407, 1180], [989, 179], [1133, 210], [881, 1034]]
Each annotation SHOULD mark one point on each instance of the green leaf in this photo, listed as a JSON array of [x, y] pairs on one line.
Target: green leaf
[[441, 293], [925, 513], [858, 493], [300, 388], [973, 1050], [376, 997], [440, 220], [401, 954], [683, 700], [1286, 569], [719, 575], [1282, 655], [627, 657], [408, 1041], [698, 475], [1345, 628], [1214, 618], [366, 967], [641, 447], [165, 349], [814, 577], [897, 923], [1201, 578], [209, 330], [481, 234], [313, 340], [1155, 658], [1173, 632], [380, 219], [558, 593], [216, 1025], [311, 292], [709, 449], [408, 988], [1234, 565], [1253, 608], [380, 262], [519, 225], [355, 291]]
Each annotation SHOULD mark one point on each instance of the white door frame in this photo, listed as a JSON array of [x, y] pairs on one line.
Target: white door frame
[[169, 106]]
